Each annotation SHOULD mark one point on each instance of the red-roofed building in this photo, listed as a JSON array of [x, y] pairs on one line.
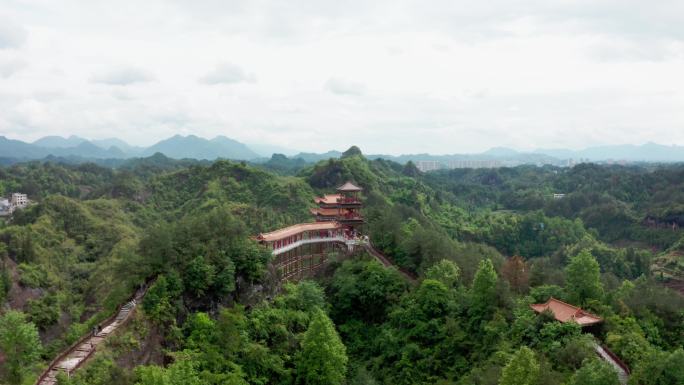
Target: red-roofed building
[[343, 207], [565, 312]]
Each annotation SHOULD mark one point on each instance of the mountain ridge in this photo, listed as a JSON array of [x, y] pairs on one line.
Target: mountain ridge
[[195, 147]]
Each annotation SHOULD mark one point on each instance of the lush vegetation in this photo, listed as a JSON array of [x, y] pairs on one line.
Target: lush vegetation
[[484, 244]]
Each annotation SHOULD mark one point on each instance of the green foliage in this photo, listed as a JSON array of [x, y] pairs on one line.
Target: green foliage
[[626, 338], [522, 369], [542, 293], [45, 311], [595, 372], [583, 278], [199, 276], [444, 271], [97, 233], [159, 301], [19, 344], [181, 372], [102, 370], [34, 276], [483, 294], [660, 368], [323, 359], [364, 290]]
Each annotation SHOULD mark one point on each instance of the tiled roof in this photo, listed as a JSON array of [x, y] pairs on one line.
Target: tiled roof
[[328, 199], [565, 312], [296, 229], [327, 212], [349, 186]]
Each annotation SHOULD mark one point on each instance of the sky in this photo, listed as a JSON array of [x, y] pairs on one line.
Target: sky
[[391, 76]]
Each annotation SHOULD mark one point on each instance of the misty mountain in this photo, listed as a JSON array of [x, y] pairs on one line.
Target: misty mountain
[[312, 157], [10, 148], [267, 150], [59, 141], [194, 147], [116, 142], [649, 152], [17, 149]]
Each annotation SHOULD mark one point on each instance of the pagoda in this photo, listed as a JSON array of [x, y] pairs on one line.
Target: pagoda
[[343, 207]]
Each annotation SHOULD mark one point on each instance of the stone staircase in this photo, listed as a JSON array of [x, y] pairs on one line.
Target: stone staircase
[[78, 354]]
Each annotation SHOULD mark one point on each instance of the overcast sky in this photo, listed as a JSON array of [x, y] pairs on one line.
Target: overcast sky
[[391, 76]]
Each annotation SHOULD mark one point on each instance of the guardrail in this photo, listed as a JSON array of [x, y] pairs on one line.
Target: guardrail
[[65, 353]]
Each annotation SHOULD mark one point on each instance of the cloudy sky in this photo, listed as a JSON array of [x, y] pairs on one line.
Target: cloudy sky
[[393, 76]]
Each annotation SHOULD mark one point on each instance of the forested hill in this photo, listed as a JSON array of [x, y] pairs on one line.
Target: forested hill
[[484, 243]]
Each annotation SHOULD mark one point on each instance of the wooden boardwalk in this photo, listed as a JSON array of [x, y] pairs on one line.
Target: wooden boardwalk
[[75, 356]]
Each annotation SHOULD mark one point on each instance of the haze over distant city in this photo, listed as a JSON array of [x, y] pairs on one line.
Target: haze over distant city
[[390, 76]]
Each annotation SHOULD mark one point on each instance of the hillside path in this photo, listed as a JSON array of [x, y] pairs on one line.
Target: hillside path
[[609, 357], [74, 357], [387, 262]]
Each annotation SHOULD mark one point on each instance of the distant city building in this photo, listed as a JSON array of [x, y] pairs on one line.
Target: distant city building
[[473, 164], [428, 165], [432, 165]]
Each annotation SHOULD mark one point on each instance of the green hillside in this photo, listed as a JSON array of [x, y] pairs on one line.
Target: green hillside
[[484, 245]]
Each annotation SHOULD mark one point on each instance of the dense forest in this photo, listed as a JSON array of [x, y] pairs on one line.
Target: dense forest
[[484, 244]]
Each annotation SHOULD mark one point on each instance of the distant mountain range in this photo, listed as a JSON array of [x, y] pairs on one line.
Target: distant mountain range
[[177, 147], [649, 152], [194, 147]]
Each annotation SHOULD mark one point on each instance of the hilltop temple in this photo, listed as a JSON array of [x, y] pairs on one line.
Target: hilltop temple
[[299, 249]]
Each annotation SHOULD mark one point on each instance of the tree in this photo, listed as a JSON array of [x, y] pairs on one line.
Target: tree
[[583, 278], [20, 345], [595, 372], [181, 372], [323, 358], [660, 368], [516, 272], [483, 294], [199, 276], [522, 369], [444, 271]]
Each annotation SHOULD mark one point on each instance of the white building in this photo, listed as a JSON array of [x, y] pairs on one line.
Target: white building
[[19, 200], [473, 163], [428, 165]]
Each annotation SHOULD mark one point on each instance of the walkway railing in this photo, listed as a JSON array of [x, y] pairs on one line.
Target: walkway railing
[[83, 349], [301, 242], [610, 357]]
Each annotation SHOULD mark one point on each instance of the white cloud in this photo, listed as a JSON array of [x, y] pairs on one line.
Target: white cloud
[[123, 76], [394, 76], [9, 67], [344, 87], [12, 35], [227, 73]]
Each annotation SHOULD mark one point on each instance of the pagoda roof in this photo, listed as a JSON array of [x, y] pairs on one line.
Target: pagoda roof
[[296, 229], [327, 212], [328, 199], [349, 186], [565, 312]]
